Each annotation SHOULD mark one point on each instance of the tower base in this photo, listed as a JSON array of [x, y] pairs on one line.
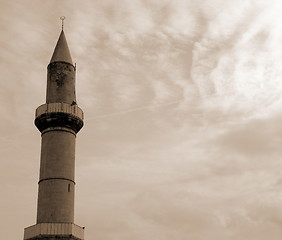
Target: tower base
[[55, 237], [54, 231]]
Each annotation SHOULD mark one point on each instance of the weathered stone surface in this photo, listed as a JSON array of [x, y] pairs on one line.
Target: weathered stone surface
[[60, 83]]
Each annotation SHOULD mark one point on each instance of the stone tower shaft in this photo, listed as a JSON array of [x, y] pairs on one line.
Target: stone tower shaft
[[58, 120]]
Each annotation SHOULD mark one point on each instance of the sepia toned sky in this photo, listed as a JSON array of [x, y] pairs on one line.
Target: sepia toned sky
[[183, 116]]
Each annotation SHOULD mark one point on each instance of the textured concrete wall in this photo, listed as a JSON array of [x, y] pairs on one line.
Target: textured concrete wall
[[56, 185], [60, 83]]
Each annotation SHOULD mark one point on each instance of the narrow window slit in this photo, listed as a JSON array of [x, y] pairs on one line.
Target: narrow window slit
[[68, 187]]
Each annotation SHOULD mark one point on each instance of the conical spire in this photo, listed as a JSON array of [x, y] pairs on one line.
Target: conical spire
[[61, 52]]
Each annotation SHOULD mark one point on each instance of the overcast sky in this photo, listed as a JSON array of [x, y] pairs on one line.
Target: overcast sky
[[183, 116]]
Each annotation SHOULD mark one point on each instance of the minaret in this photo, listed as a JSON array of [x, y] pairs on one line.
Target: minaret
[[58, 120]]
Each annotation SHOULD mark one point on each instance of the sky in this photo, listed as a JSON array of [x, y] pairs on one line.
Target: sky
[[183, 111]]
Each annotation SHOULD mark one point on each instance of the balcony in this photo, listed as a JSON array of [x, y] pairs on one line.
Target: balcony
[[59, 107], [54, 229]]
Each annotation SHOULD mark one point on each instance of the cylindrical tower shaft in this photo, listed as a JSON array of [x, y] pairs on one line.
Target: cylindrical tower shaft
[[56, 184]]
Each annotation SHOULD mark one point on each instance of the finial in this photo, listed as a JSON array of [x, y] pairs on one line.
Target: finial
[[62, 18]]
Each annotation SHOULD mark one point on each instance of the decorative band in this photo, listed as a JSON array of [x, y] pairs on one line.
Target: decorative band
[[57, 178], [58, 129]]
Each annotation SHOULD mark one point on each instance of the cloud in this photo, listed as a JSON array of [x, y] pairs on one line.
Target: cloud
[[257, 138]]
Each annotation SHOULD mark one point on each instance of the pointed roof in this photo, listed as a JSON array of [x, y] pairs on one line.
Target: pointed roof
[[61, 52]]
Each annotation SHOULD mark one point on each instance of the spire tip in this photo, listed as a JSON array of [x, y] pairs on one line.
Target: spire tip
[[62, 18]]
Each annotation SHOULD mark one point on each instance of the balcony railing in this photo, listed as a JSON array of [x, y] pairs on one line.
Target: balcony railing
[[59, 107]]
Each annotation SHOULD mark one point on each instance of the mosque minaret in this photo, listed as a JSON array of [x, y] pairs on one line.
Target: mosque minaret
[[58, 120]]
